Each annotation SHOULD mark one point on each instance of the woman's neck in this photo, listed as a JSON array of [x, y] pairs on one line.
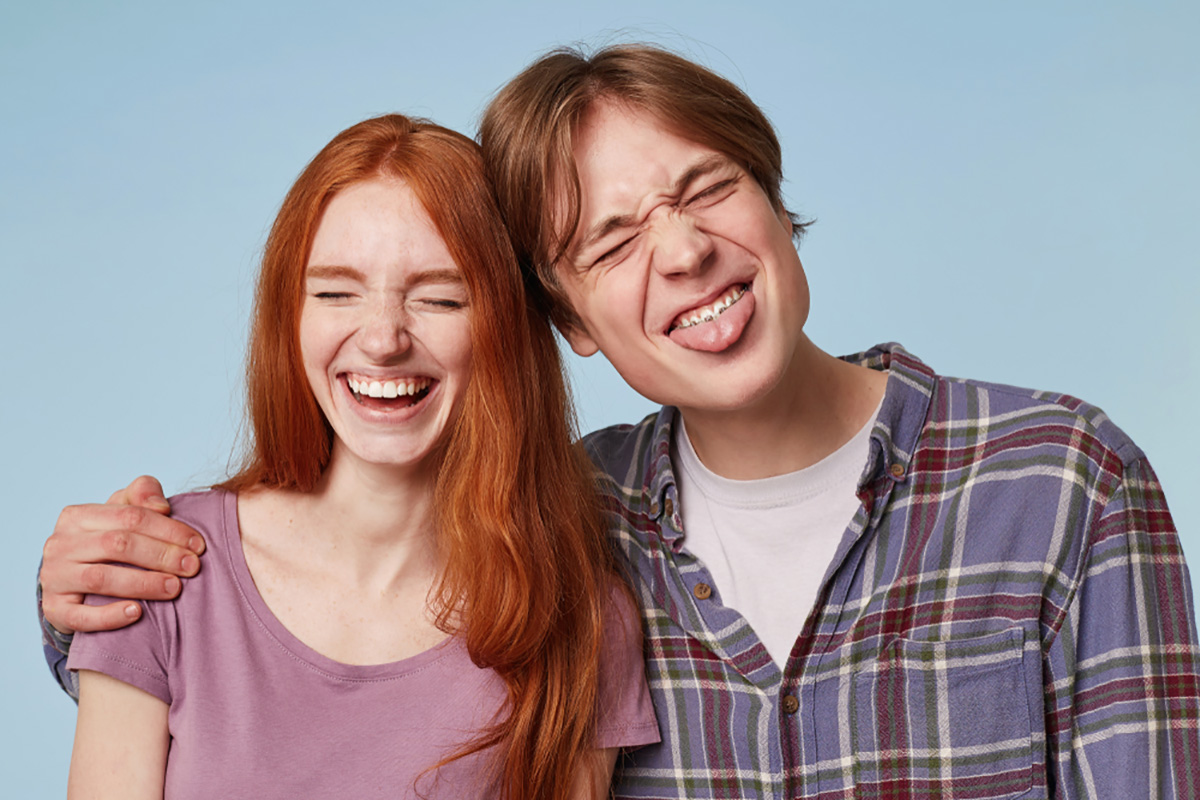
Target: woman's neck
[[373, 525], [348, 567]]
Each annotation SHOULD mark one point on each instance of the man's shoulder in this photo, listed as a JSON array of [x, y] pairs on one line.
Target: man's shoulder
[[1016, 409], [621, 452]]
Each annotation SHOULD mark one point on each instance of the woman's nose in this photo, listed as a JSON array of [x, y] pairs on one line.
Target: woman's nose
[[384, 333]]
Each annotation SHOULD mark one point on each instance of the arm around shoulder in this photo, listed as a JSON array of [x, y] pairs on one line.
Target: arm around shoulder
[[121, 742], [1123, 682]]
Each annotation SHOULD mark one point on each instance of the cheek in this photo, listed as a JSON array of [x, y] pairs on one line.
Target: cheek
[[615, 301], [317, 349]]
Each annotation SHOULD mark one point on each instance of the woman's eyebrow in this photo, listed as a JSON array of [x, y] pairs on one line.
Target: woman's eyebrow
[[329, 272], [435, 276]]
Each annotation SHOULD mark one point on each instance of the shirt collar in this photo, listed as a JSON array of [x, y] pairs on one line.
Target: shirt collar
[[893, 439]]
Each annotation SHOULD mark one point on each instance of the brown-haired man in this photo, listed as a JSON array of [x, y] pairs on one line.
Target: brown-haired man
[[858, 578]]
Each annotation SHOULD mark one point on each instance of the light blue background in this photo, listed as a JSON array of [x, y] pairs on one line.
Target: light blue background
[[1009, 189]]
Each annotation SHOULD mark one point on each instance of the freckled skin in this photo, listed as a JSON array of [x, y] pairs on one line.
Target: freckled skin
[[381, 320]]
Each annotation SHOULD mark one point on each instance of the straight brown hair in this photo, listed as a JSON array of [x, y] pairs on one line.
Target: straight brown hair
[[528, 130], [527, 572]]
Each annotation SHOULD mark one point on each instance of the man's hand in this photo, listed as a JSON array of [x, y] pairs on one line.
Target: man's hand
[[131, 529]]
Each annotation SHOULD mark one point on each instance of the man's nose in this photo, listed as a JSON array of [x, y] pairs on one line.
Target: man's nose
[[681, 247]]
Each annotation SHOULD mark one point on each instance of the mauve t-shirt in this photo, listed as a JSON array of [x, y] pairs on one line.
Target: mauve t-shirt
[[257, 713]]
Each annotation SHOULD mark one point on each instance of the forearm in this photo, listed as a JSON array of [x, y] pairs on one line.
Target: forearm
[[594, 777]]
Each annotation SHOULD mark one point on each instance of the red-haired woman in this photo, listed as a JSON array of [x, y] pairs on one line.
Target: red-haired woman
[[407, 592]]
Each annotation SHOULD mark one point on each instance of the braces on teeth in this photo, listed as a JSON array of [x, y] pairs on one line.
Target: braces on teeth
[[715, 310], [388, 389]]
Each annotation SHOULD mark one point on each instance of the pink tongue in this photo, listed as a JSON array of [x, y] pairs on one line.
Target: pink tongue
[[722, 332], [387, 403]]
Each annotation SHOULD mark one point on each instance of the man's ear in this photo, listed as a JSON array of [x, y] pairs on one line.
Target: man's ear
[[582, 343]]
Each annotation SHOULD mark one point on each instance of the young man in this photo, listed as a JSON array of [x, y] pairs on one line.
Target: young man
[[858, 578]]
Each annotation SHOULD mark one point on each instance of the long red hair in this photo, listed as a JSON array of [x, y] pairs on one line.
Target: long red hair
[[527, 572]]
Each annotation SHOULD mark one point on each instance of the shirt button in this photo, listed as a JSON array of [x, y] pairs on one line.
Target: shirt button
[[897, 470], [669, 508], [702, 591], [790, 704]]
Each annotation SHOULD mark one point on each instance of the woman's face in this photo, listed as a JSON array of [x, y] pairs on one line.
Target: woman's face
[[384, 329]]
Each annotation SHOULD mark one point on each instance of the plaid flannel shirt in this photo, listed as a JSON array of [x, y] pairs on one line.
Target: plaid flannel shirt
[[1007, 615]]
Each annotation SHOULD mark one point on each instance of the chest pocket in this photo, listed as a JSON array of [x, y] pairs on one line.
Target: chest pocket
[[953, 719]]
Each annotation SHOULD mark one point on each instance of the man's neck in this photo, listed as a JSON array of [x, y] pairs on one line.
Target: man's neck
[[818, 405]]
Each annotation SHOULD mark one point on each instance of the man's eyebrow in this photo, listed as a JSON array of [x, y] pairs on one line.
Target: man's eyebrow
[[698, 170]]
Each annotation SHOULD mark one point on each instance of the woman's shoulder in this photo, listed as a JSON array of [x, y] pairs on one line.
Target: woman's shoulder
[[208, 511]]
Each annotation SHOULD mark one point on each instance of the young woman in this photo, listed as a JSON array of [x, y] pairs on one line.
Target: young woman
[[407, 591]]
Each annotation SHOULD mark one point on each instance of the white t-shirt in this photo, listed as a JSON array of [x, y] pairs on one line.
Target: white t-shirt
[[767, 543]]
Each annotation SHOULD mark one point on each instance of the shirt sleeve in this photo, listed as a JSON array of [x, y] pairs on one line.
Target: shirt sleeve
[[136, 654], [55, 646], [1122, 687], [624, 709]]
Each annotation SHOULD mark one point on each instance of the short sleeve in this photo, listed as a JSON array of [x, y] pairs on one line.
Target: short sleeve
[[136, 654], [625, 711]]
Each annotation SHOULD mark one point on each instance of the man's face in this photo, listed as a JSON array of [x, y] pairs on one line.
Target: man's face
[[681, 272]]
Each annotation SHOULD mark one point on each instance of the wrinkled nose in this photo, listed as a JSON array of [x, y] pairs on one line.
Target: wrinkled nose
[[681, 248], [384, 333]]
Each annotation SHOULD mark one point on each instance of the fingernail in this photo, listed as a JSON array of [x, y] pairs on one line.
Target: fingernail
[[157, 499], [189, 563], [196, 544], [131, 610], [170, 584]]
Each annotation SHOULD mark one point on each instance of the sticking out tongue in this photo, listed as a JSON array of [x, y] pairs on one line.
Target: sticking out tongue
[[720, 333]]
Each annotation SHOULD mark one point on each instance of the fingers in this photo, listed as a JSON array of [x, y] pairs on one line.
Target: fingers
[[144, 491], [69, 617], [80, 524], [67, 556]]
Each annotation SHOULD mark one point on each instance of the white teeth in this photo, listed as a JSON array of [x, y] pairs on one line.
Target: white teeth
[[712, 312], [387, 389]]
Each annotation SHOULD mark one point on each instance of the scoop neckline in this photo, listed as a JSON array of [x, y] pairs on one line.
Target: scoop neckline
[[262, 614]]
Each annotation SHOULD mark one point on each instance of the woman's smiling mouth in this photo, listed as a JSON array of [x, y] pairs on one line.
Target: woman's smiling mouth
[[389, 394]]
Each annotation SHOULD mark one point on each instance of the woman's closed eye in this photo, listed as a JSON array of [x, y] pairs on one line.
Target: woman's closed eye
[[444, 302]]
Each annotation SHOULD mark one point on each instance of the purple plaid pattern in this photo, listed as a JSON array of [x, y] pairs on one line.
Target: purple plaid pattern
[[1008, 615]]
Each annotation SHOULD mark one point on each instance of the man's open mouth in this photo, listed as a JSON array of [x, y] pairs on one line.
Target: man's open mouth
[[708, 313]]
